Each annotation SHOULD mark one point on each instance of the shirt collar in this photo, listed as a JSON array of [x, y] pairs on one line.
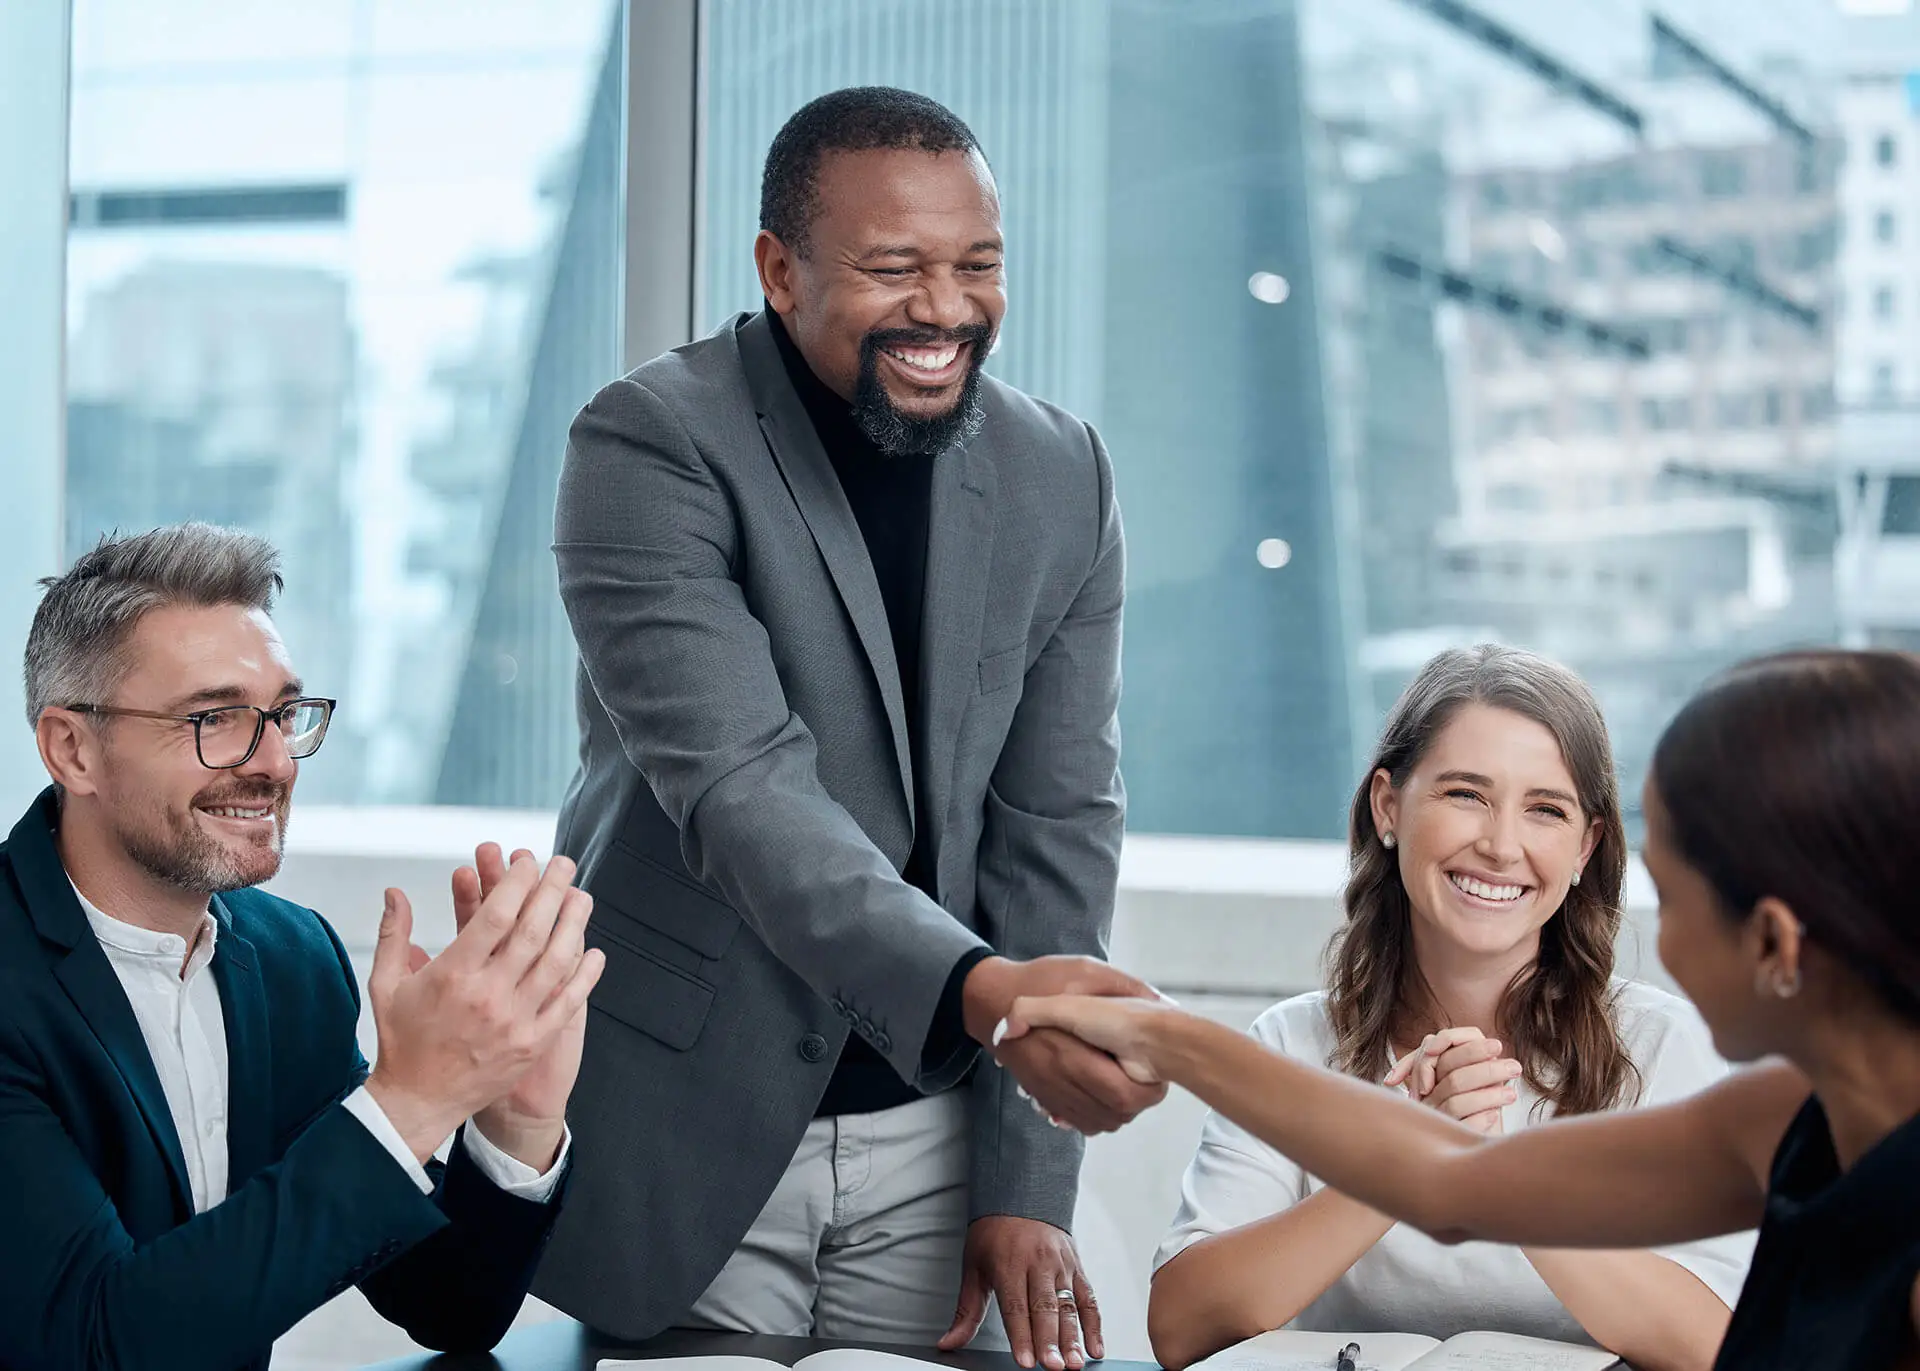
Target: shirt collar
[[147, 943]]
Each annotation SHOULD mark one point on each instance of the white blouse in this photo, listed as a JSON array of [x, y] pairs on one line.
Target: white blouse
[[1408, 1282]]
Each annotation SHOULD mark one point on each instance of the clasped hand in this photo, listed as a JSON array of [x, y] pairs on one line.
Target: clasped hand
[[1460, 1072]]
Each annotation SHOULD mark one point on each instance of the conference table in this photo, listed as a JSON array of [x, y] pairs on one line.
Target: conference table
[[567, 1346]]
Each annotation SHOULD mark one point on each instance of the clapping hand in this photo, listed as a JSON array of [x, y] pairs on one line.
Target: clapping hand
[[490, 1023], [530, 1120]]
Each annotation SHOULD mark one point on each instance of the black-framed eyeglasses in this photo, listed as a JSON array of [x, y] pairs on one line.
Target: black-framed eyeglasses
[[226, 737]]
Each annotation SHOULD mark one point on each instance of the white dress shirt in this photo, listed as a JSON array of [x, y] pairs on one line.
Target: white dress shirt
[[177, 1003], [1407, 1282]]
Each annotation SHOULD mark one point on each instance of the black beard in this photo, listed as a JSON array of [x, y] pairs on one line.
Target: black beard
[[903, 435]]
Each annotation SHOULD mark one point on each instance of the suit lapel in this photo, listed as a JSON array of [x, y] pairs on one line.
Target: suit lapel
[[96, 992], [89, 980], [816, 490], [243, 1005], [959, 568]]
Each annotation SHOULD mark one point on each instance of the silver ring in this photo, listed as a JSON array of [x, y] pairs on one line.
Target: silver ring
[[1064, 1296]]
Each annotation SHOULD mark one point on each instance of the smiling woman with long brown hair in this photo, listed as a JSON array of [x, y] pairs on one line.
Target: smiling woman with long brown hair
[[1487, 856]]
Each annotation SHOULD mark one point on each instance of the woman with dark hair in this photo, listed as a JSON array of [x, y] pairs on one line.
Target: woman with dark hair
[[1482, 904], [1781, 838]]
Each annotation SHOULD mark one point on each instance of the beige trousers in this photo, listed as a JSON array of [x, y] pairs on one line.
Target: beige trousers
[[862, 1238]]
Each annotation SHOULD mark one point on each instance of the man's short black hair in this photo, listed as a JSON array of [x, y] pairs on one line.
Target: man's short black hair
[[857, 119]]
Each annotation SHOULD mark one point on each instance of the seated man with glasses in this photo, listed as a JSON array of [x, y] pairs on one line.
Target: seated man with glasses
[[195, 1153]]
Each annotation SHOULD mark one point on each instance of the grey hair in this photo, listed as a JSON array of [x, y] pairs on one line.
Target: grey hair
[[75, 649]]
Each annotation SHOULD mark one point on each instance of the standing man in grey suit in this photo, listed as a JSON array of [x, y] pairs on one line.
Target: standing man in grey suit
[[848, 612]]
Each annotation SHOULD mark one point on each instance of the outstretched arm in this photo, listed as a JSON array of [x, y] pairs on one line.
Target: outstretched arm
[[1642, 1178]]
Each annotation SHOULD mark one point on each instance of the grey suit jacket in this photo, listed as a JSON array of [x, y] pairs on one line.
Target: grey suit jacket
[[745, 799]]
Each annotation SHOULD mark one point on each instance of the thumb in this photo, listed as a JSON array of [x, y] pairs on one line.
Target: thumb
[[1016, 1024], [970, 1313], [390, 954], [1400, 1068]]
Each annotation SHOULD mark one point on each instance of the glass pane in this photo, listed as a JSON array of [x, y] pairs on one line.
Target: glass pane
[[33, 88], [341, 273], [1402, 333]]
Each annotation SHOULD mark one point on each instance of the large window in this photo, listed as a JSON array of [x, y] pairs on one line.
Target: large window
[[1405, 325], [340, 272], [1490, 324]]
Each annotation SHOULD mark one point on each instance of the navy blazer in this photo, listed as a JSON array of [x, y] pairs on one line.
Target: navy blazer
[[103, 1263]]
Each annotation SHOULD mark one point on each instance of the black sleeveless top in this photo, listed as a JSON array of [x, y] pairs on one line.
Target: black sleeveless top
[[1831, 1285]]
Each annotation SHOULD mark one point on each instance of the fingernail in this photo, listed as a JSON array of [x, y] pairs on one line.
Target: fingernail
[[1021, 1091], [999, 1032]]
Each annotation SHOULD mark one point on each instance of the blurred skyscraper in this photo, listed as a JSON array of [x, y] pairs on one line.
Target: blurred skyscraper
[[1648, 519], [226, 392], [510, 738], [1877, 566]]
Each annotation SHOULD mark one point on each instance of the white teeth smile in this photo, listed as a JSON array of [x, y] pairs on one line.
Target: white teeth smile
[[229, 812], [1482, 890], [925, 359]]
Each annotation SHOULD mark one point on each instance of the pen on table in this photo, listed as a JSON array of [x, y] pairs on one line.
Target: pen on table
[[1348, 1358]]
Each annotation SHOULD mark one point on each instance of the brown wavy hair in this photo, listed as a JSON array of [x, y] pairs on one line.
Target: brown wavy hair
[[1557, 1017]]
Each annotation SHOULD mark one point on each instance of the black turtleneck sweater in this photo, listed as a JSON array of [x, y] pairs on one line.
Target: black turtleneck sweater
[[892, 499]]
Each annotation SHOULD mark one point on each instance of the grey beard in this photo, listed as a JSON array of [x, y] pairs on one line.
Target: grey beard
[[902, 435], [187, 859]]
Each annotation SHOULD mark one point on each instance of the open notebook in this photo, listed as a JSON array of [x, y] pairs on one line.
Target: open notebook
[[1291, 1351], [1282, 1351], [837, 1359]]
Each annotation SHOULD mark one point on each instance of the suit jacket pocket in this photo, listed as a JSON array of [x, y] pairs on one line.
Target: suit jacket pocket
[[664, 899], [646, 993], [1002, 669]]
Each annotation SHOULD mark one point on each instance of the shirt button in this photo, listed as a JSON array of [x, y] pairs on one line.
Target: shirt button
[[813, 1048]]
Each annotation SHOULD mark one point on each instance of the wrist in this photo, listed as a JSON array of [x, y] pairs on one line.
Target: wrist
[[422, 1123], [531, 1141], [985, 997], [1167, 1040]]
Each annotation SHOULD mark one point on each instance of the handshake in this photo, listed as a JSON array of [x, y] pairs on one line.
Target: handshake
[[1058, 1027]]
